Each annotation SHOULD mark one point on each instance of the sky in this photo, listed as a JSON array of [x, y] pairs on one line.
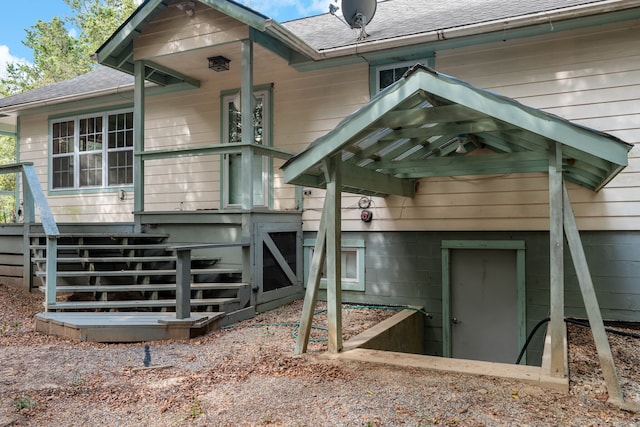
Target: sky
[[21, 15]]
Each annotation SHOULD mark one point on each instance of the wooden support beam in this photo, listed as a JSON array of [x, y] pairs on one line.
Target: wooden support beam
[[334, 241], [591, 302], [138, 136], [313, 284], [556, 262], [246, 101], [183, 284]]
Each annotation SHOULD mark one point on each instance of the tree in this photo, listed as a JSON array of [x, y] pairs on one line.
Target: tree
[[57, 55]]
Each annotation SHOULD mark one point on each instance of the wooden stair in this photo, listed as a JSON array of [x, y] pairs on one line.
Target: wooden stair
[[134, 272]]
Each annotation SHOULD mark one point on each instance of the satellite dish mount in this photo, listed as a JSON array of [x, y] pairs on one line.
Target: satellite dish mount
[[357, 14]]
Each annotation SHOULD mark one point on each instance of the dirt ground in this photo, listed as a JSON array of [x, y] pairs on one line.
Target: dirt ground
[[247, 375]]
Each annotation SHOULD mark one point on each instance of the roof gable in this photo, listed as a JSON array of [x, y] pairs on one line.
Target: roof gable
[[430, 124]]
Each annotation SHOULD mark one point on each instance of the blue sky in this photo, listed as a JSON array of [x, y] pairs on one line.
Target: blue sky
[[21, 15]]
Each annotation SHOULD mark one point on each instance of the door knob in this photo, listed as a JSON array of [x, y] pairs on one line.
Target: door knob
[[454, 320]]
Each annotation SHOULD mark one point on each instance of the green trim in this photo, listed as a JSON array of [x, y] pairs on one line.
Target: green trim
[[375, 66], [239, 13], [264, 150], [483, 244], [302, 63], [105, 110], [521, 302], [75, 116], [129, 29], [89, 190], [272, 44], [345, 244]]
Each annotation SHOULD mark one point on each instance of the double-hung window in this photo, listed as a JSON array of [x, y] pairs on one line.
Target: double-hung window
[[92, 151]]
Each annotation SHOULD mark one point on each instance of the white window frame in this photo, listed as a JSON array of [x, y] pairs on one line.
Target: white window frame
[[266, 141], [348, 284], [76, 155], [395, 65]]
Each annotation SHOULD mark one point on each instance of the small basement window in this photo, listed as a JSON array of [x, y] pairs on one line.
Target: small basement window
[[352, 258]]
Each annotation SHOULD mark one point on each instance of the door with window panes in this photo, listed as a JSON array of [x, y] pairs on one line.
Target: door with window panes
[[232, 165]]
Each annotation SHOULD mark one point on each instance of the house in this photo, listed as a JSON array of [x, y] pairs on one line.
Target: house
[[466, 222]]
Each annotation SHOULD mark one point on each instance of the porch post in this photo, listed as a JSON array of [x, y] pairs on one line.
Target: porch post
[[246, 101], [334, 267], [591, 302], [138, 136], [556, 262]]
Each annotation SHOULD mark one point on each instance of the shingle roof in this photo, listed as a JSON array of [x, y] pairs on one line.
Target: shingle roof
[[99, 80], [397, 18]]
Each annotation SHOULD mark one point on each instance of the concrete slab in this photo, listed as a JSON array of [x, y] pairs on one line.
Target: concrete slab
[[376, 345]]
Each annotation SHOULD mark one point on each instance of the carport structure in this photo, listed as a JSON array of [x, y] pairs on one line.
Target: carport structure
[[429, 124]]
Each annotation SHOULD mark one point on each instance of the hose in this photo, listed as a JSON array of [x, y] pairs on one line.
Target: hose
[[578, 322]]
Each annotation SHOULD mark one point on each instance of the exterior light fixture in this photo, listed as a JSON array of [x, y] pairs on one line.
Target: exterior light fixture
[[219, 63]]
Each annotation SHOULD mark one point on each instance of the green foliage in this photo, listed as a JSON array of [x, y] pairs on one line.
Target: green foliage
[[57, 54], [24, 403]]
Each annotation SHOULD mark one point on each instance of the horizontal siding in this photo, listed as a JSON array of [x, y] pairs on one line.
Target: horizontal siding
[[589, 77], [174, 31]]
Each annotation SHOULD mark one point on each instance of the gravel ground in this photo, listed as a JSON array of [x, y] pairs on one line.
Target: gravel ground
[[247, 376]]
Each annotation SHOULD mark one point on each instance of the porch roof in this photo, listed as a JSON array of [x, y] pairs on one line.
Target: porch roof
[[429, 124]]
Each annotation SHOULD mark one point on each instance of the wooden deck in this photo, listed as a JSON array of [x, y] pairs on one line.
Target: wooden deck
[[126, 326]]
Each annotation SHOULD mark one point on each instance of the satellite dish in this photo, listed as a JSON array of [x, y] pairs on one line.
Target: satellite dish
[[358, 13]]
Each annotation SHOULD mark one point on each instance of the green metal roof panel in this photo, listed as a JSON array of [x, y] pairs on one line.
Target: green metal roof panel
[[431, 124]]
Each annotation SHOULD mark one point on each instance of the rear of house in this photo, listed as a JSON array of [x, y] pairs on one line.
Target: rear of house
[[174, 155]]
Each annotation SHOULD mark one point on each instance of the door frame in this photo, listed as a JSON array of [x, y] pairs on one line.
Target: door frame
[[519, 247]]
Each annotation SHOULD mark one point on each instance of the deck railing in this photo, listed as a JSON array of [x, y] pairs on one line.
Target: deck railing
[[32, 196]]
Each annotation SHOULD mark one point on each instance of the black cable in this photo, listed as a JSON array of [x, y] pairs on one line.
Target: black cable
[[530, 337], [583, 323]]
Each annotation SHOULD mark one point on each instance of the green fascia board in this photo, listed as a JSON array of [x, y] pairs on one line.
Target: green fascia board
[[129, 29], [239, 13], [536, 121], [464, 165], [179, 78], [352, 126], [368, 180], [483, 244], [272, 44], [425, 50], [8, 129]]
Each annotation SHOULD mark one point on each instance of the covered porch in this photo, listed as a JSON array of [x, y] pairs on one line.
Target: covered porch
[[429, 124]]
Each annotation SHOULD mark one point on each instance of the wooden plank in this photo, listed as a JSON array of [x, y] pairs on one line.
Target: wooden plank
[[138, 136], [136, 303], [334, 267], [147, 288], [125, 273], [313, 283], [556, 264], [591, 302]]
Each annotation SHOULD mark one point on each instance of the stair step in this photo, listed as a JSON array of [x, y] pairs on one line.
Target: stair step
[[142, 259], [82, 305], [121, 273], [143, 288], [94, 246], [124, 234]]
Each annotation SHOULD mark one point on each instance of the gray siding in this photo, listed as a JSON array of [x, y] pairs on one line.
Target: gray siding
[[406, 268]]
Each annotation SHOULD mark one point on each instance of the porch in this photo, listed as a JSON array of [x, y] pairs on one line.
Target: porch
[[166, 275]]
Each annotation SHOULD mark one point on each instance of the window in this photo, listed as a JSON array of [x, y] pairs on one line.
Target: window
[[80, 158], [352, 259], [386, 75], [232, 134]]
